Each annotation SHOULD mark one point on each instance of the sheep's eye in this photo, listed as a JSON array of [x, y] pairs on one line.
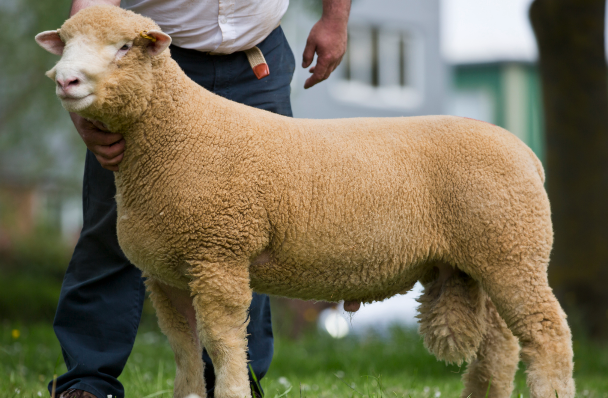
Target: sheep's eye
[[123, 50]]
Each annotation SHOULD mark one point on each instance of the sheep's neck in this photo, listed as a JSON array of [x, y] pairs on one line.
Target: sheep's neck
[[182, 117], [165, 125]]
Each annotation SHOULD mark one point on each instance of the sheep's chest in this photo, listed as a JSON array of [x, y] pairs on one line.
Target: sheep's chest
[[149, 249]]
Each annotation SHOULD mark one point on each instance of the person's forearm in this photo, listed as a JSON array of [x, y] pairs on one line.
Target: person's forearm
[[327, 39], [78, 5], [337, 10]]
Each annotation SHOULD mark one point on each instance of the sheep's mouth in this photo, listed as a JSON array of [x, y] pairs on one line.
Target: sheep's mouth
[[76, 104], [66, 97]]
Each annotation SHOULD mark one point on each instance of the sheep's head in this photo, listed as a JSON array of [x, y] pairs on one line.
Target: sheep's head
[[108, 56]]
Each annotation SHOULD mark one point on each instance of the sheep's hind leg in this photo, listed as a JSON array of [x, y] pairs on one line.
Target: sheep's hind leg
[[221, 301], [525, 301], [184, 342], [496, 361]]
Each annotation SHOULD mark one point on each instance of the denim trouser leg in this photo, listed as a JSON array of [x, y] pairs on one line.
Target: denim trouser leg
[[102, 294], [101, 297]]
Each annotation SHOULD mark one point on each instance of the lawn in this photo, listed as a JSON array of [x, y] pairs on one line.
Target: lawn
[[314, 366]]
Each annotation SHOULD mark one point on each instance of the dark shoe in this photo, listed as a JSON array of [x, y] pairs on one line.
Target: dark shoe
[[74, 393]]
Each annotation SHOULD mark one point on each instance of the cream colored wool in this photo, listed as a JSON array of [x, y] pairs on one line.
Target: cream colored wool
[[496, 361], [444, 306], [218, 199]]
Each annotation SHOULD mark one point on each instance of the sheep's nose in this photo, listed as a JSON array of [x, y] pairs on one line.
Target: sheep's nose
[[67, 83]]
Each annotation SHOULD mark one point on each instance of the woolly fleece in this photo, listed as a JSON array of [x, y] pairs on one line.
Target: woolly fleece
[[217, 198]]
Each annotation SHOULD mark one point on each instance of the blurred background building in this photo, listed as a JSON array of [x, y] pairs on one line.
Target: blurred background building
[[393, 65], [408, 57]]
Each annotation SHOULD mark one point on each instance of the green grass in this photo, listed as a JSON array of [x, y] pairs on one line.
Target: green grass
[[315, 366]]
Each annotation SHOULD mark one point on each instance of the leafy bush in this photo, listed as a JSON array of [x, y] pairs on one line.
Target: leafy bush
[[31, 271]]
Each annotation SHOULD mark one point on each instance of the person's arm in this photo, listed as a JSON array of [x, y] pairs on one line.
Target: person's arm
[[107, 147], [328, 39]]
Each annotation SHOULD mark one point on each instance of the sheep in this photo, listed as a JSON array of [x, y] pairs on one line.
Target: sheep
[[216, 199]]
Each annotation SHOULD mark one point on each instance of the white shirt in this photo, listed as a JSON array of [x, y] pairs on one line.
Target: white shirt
[[220, 26]]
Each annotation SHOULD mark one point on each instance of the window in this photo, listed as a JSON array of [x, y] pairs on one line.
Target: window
[[382, 67]]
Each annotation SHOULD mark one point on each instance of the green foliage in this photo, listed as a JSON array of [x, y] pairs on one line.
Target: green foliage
[[255, 379], [38, 146], [36, 139], [28, 361], [591, 358], [28, 298], [317, 366], [396, 365], [44, 254], [31, 274], [402, 349]]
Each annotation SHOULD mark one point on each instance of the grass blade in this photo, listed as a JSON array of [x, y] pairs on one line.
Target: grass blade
[[255, 379], [346, 384], [55, 376], [285, 393], [161, 373]]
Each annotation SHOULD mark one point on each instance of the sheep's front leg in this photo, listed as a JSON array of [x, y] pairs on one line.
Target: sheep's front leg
[[221, 301], [173, 309]]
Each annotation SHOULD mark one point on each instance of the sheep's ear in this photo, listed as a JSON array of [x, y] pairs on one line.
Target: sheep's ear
[[51, 41], [159, 41]]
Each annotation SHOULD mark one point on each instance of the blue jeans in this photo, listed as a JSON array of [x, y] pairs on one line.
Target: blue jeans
[[102, 294]]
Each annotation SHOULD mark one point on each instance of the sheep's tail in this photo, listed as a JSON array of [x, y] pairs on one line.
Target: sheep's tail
[[451, 317]]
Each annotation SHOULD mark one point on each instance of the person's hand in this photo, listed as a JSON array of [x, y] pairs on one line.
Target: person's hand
[[107, 147], [328, 39]]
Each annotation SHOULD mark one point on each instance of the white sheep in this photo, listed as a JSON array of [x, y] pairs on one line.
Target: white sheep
[[216, 199]]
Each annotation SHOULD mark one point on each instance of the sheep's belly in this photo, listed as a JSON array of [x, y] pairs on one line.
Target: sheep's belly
[[367, 284]]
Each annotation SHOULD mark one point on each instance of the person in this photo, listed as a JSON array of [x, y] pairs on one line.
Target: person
[[102, 294]]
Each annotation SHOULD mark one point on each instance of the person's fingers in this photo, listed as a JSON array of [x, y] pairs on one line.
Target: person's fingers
[[319, 72], [107, 165], [110, 164], [115, 161], [109, 151], [311, 81], [93, 132], [309, 53], [79, 121], [329, 71], [94, 136], [99, 125], [107, 147]]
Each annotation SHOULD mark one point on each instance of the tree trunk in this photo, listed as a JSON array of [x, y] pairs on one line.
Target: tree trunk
[[570, 36]]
